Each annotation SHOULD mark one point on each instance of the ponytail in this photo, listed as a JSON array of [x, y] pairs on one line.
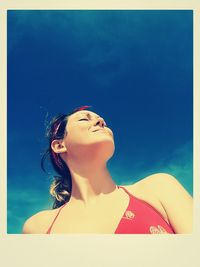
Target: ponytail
[[59, 191], [61, 187]]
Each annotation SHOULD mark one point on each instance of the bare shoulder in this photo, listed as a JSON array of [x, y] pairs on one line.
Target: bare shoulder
[[155, 184], [39, 222], [174, 198], [164, 185], [148, 190]]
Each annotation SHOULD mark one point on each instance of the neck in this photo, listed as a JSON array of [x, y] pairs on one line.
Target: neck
[[90, 181]]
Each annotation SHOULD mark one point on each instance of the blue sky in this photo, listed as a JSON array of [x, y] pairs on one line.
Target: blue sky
[[136, 70]]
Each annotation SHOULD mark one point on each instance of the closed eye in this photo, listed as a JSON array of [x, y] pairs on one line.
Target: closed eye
[[84, 119]]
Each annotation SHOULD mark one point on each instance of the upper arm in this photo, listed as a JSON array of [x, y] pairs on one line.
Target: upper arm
[[29, 226], [176, 201], [37, 224]]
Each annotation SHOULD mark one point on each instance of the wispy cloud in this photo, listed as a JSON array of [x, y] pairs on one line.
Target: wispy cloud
[[23, 203], [178, 164]]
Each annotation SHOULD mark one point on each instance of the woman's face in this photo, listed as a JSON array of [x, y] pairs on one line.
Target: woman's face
[[87, 132]]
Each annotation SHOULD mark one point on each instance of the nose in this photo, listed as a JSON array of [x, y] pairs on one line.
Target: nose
[[100, 121]]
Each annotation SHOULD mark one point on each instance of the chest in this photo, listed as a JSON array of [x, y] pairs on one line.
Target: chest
[[98, 218], [101, 218]]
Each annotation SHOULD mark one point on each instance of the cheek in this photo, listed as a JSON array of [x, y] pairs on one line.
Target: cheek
[[77, 137]]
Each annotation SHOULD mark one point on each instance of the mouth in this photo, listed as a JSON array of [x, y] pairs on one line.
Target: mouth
[[99, 129], [103, 130]]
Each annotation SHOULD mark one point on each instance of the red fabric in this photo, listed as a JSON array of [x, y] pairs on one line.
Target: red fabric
[[141, 218], [138, 218], [49, 230]]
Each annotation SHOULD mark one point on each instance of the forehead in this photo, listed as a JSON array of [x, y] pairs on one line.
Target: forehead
[[81, 113]]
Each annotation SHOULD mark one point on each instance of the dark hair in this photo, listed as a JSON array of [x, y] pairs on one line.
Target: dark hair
[[61, 186]]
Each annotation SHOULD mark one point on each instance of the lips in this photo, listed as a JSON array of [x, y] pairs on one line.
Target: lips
[[99, 129], [103, 130]]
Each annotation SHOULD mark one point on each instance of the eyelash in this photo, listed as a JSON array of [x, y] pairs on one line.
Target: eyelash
[[83, 120]]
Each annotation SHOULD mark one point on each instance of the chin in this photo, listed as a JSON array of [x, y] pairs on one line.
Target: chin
[[100, 149]]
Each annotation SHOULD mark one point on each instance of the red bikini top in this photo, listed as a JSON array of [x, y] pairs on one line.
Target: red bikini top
[[138, 218]]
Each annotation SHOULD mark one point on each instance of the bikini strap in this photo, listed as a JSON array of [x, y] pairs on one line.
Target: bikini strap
[[49, 230], [126, 191]]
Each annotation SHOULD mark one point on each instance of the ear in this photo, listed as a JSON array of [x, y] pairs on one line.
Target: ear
[[58, 146]]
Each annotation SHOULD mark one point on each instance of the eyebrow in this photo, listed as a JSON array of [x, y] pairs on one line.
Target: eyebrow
[[88, 115]]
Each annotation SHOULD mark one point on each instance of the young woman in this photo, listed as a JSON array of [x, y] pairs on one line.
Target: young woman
[[87, 200]]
